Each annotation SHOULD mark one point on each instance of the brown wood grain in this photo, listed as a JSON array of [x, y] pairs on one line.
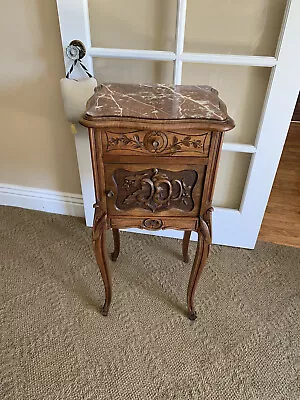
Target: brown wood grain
[[185, 246], [281, 222], [114, 184], [116, 235], [166, 222], [296, 115], [133, 123], [159, 143], [150, 159]]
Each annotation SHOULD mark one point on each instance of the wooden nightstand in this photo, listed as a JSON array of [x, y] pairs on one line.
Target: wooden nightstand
[[155, 152]]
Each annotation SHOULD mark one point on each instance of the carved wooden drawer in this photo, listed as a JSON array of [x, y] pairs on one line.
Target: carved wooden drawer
[[142, 189], [159, 143], [154, 223]]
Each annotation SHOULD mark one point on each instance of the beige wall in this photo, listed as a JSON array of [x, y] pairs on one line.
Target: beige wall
[[36, 146]]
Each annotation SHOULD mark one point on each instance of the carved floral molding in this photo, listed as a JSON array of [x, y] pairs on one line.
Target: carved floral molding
[[156, 142]]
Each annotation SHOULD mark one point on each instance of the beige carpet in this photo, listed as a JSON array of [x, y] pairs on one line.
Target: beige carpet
[[56, 345]]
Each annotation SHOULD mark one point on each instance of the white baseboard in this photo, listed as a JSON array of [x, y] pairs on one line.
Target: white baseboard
[[42, 200]]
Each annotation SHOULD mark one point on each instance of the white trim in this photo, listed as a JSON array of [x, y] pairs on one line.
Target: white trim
[[239, 147], [177, 74], [42, 200], [283, 27], [86, 24], [86, 173], [228, 226], [174, 234], [229, 59], [225, 59], [75, 27], [180, 29], [131, 54], [180, 25], [74, 24], [275, 121]]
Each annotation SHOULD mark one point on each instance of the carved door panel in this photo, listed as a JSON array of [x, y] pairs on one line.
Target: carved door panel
[[142, 190]]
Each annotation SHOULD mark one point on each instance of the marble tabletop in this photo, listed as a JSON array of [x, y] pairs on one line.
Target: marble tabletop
[[157, 102]]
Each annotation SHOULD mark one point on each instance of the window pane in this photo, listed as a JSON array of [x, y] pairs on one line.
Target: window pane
[[242, 88], [132, 71], [134, 24], [234, 26], [231, 178]]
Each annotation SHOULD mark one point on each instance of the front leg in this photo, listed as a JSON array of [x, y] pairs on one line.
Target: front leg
[[116, 235], [99, 243], [204, 241], [185, 246], [208, 219]]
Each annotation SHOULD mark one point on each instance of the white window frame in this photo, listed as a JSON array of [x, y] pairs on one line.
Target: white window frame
[[231, 227]]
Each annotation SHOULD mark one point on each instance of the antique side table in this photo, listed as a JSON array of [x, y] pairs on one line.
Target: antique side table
[[155, 152]]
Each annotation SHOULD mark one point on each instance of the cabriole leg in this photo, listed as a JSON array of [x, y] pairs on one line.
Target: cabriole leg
[[116, 235], [99, 242], [204, 241], [185, 246]]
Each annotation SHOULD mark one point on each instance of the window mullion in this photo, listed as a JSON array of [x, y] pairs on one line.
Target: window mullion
[[180, 30]]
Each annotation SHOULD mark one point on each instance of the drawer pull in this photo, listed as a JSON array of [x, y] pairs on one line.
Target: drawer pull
[[155, 144], [110, 194], [152, 224]]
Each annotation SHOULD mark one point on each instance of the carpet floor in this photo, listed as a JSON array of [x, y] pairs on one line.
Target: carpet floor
[[56, 345]]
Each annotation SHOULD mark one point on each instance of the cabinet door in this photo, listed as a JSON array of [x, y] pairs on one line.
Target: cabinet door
[[142, 189]]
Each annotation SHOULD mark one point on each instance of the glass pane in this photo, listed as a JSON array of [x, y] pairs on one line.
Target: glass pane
[[243, 89], [231, 178], [234, 26], [132, 71], [134, 24]]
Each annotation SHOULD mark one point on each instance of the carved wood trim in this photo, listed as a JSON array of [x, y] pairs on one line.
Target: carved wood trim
[[158, 142], [180, 223], [195, 142], [99, 220], [133, 123], [155, 189], [152, 224], [208, 219], [204, 230]]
